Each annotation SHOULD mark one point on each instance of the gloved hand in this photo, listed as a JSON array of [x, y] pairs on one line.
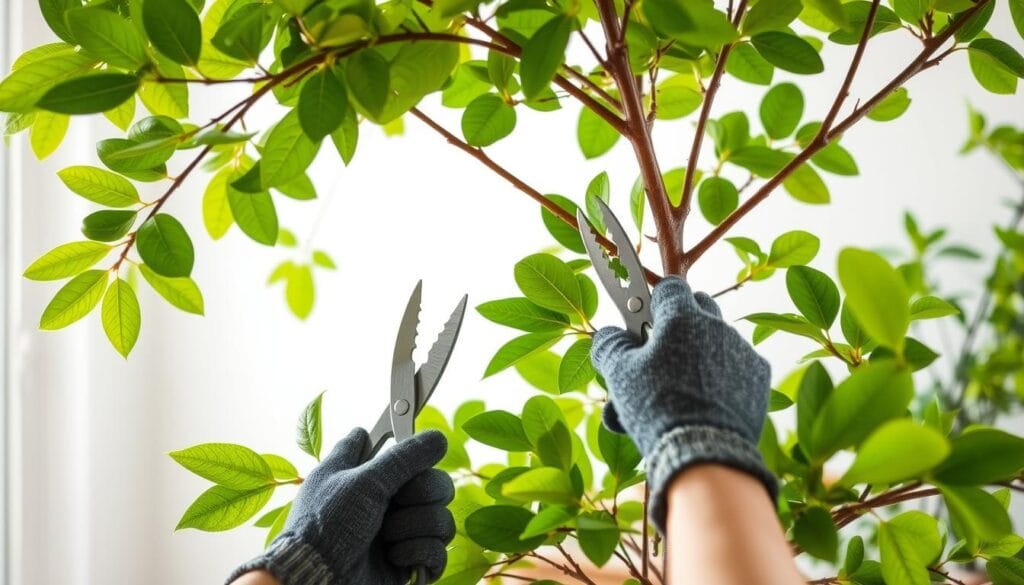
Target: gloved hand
[[368, 523], [695, 392]]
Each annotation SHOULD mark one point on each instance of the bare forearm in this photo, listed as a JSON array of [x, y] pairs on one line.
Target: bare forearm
[[722, 529], [256, 578]]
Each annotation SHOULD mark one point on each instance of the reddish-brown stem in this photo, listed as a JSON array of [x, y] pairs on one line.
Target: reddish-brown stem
[[844, 89], [686, 201], [920, 63], [639, 136], [516, 182]]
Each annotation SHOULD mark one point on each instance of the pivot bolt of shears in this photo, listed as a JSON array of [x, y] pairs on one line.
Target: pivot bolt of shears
[[401, 407], [634, 304]]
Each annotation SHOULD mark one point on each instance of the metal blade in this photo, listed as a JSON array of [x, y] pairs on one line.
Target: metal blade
[[600, 260], [379, 434], [636, 305], [403, 369], [437, 358]]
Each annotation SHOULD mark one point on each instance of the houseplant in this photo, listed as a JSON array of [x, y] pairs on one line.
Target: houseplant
[[338, 67]]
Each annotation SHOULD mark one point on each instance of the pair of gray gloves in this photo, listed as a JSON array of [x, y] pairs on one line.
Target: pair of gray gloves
[[694, 392]]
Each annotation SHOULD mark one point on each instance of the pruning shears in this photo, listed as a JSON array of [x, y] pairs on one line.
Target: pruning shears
[[411, 388], [634, 299]]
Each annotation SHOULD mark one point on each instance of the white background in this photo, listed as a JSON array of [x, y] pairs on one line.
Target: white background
[[93, 497]]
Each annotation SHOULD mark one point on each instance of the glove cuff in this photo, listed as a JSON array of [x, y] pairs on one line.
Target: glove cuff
[[291, 561], [684, 447]]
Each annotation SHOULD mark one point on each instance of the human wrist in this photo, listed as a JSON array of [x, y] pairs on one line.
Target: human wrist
[[684, 447], [292, 561]]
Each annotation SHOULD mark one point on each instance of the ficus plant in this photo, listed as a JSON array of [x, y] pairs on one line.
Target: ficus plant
[[558, 490]]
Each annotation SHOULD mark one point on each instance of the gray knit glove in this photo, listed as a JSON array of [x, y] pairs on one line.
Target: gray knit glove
[[366, 523], [695, 392]]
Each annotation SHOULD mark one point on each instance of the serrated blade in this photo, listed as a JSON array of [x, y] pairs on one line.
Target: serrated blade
[[599, 259], [437, 358], [403, 385]]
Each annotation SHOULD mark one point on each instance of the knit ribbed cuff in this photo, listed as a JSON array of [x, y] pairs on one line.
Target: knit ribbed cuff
[[291, 561], [685, 447]]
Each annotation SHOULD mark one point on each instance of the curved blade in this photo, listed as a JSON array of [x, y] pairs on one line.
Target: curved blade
[[379, 434], [599, 259], [636, 306], [403, 369], [437, 358]]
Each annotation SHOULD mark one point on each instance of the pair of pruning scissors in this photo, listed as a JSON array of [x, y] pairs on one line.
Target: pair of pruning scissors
[[411, 388], [634, 299]]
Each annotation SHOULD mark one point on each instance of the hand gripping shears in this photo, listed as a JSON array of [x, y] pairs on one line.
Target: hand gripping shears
[[411, 388], [633, 300]]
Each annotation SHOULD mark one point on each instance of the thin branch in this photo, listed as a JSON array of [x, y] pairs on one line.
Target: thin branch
[[593, 50], [518, 183], [844, 89], [920, 63], [686, 201], [734, 287], [945, 575]]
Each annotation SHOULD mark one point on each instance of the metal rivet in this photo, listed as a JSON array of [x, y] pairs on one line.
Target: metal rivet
[[634, 304], [401, 407]]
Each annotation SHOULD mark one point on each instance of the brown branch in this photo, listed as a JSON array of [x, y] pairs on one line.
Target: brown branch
[[518, 183], [920, 63], [639, 136], [945, 575], [686, 202], [844, 89]]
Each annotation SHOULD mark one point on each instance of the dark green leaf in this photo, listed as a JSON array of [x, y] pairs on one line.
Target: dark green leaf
[[982, 456], [245, 32], [814, 391], [696, 24], [549, 282], [543, 54], [781, 110], [770, 15], [174, 29], [598, 534], [369, 79], [309, 430], [255, 214], [746, 64], [108, 36], [288, 152], [90, 94], [975, 513], [788, 51], [322, 104], [108, 225], [499, 429], [717, 198], [487, 120], [815, 532], [877, 296], [497, 528], [164, 245], [576, 371], [814, 294]]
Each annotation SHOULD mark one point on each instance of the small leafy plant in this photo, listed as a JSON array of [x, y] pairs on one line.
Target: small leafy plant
[[560, 491]]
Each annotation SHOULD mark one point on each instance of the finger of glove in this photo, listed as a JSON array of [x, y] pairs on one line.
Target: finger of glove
[[347, 453], [610, 416], [672, 300], [429, 553], [708, 304], [433, 486], [398, 465], [610, 343], [433, 521]]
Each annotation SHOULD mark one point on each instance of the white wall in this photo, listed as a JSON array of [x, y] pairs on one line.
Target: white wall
[[94, 498]]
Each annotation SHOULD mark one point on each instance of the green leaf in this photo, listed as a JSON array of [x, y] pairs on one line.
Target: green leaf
[[323, 260], [1005, 570], [90, 94], [1001, 52], [854, 555], [540, 415], [835, 159], [498, 428], [267, 520], [598, 190], [696, 24], [576, 371], [255, 214], [856, 15], [813, 392], [770, 15], [910, 11], [990, 73], [221, 508], [53, 12], [300, 292], [309, 430], [814, 294], [746, 64], [815, 532], [555, 447], [182, 292], [22, 89], [174, 29], [908, 544], [563, 232], [67, 260], [619, 453], [164, 245], [891, 107], [598, 535], [246, 31], [805, 185], [930, 307], [794, 248], [898, 450], [547, 520], [100, 186], [872, 395], [416, 70], [48, 131], [226, 464], [108, 225], [322, 104], [294, 7], [1017, 15], [487, 120], [280, 467], [75, 300], [975, 513], [288, 152], [466, 565], [523, 314], [217, 216], [781, 110], [519, 349], [121, 316], [717, 198], [790, 323], [877, 296], [982, 456], [278, 525], [369, 79], [549, 282], [594, 135], [108, 36], [543, 54], [543, 484], [789, 52], [497, 528]]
